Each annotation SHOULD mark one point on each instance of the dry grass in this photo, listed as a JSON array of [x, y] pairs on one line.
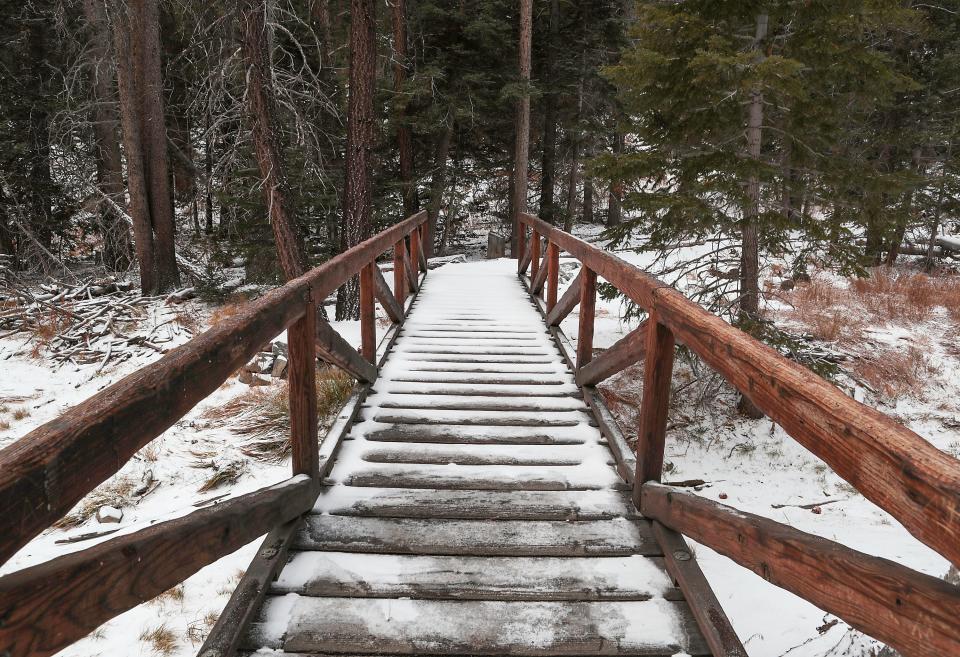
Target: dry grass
[[188, 320], [4, 425], [21, 413], [176, 594], [198, 630], [115, 493], [262, 414], [162, 640], [834, 313], [893, 373], [230, 308], [224, 474]]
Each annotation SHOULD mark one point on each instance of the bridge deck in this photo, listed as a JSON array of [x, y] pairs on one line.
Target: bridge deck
[[474, 507]]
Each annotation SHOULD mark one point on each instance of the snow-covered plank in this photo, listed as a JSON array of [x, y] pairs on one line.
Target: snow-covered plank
[[482, 454], [478, 435], [482, 477], [547, 538], [481, 417], [474, 504], [474, 402], [347, 574], [487, 390], [430, 627]]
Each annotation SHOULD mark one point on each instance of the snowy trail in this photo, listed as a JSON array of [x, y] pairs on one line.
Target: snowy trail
[[474, 507]]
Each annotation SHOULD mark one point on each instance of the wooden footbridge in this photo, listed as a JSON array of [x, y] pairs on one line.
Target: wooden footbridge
[[474, 496]]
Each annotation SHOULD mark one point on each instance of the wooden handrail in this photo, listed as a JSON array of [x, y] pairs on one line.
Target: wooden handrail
[[917, 614], [890, 465], [45, 473], [49, 606]]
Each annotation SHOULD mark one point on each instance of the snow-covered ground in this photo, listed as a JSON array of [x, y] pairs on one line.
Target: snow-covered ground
[[753, 464]]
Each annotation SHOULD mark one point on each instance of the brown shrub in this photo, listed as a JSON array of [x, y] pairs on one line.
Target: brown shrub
[[161, 639], [893, 373], [230, 308], [893, 294]]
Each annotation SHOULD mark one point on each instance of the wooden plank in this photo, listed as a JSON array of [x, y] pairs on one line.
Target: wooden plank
[[47, 607], [399, 277], [657, 378], [890, 465], [440, 454], [415, 251], [481, 418], [302, 392], [461, 577], [622, 453], [476, 504], [567, 302], [368, 317], [385, 296], [536, 282], [410, 272], [534, 255], [588, 304], [545, 538], [711, 619], [917, 614], [622, 354], [460, 627], [475, 435], [421, 255], [334, 349], [480, 477], [525, 256], [245, 601], [553, 274]]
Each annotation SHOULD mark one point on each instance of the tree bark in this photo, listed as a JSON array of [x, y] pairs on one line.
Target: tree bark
[[137, 44], [938, 210], [549, 157], [208, 177], [587, 213], [356, 194], [404, 134], [106, 130], [262, 104], [522, 149], [574, 160], [750, 250], [437, 183]]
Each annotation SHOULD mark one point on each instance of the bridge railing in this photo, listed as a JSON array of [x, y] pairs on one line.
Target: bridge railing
[[890, 465], [44, 474]]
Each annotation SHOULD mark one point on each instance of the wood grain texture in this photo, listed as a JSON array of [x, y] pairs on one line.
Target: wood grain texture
[[49, 606], [657, 378], [588, 305], [917, 614], [534, 255], [622, 354], [399, 277], [368, 316], [302, 391], [567, 302], [415, 251], [685, 571], [526, 254], [536, 283], [889, 464], [385, 296], [334, 349], [411, 274], [553, 274]]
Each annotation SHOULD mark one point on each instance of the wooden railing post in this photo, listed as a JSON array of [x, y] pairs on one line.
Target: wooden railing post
[[521, 245], [657, 376], [399, 276], [535, 255], [588, 304], [302, 389], [553, 274], [415, 250], [368, 323]]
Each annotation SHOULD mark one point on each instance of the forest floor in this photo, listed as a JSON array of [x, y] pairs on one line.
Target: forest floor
[[899, 354]]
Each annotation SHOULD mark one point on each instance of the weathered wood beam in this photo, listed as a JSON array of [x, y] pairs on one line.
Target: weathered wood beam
[[422, 254], [385, 296], [335, 350], [889, 464], [399, 277], [657, 377], [707, 610], [302, 392], [536, 284], [534, 255], [553, 274], [622, 354], [917, 614], [568, 301], [526, 256], [47, 607], [368, 315], [588, 303], [410, 272]]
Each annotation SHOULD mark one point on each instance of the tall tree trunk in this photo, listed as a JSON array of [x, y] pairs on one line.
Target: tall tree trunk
[[106, 130], [549, 161], [356, 194], [750, 249], [614, 194], [938, 210], [587, 213], [574, 159], [262, 104], [522, 149], [208, 177], [137, 44], [404, 135], [896, 240], [449, 224], [437, 184], [39, 197]]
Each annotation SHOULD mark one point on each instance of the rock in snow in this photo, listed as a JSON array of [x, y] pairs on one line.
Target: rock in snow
[[109, 514]]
